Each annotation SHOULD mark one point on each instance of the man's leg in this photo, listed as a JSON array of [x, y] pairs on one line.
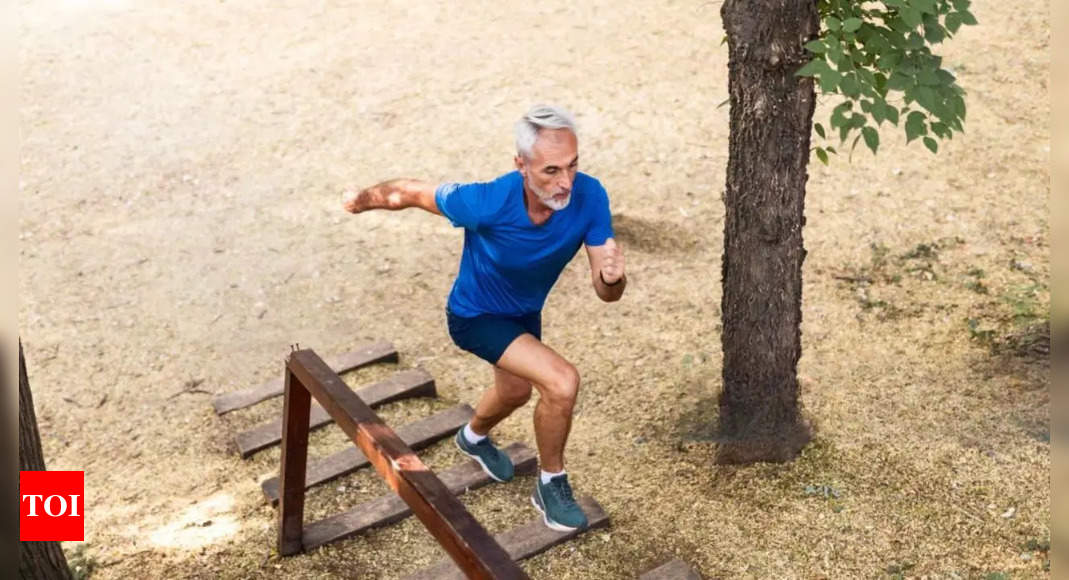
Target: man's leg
[[509, 393], [557, 382]]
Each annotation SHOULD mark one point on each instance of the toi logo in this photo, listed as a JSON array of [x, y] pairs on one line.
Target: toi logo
[[51, 506]]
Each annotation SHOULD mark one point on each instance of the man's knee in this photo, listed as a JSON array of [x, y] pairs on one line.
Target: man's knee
[[562, 390], [516, 395]]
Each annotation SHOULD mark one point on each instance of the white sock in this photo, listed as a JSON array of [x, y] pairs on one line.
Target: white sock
[[547, 475], [472, 436]]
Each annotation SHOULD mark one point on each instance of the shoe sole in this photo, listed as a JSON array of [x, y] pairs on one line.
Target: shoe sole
[[481, 462], [550, 523]]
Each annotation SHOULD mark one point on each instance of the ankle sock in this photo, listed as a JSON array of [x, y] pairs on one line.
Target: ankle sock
[[547, 475], [471, 436]]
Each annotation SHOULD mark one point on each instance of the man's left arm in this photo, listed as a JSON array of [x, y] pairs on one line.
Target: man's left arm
[[607, 270]]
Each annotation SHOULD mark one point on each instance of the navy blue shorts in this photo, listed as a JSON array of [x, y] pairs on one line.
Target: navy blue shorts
[[488, 335]]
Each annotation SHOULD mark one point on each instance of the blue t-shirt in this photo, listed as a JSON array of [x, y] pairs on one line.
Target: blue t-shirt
[[509, 264]]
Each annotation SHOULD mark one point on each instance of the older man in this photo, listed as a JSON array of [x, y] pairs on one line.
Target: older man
[[520, 230]]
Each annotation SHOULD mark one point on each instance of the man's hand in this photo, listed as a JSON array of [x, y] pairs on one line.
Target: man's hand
[[612, 264], [354, 201]]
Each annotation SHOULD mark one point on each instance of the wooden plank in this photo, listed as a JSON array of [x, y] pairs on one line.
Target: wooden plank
[[674, 570], [521, 543], [294, 460], [460, 535], [391, 508], [416, 435], [405, 384], [363, 356]]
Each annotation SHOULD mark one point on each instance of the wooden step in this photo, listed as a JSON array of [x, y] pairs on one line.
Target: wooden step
[[391, 508], [673, 570], [523, 542], [416, 435], [403, 385], [372, 353]]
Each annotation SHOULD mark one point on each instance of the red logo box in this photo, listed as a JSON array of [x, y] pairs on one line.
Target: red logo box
[[51, 506]]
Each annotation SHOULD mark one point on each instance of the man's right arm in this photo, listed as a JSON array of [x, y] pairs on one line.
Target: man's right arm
[[394, 194]]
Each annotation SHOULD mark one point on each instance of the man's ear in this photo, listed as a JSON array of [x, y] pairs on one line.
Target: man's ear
[[520, 165]]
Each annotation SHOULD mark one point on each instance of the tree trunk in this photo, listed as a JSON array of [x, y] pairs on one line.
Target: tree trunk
[[771, 121], [44, 560]]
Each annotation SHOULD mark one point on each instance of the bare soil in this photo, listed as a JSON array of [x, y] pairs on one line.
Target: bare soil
[[180, 229]]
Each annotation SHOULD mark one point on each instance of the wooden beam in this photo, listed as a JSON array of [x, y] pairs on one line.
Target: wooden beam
[[372, 353], [463, 538], [405, 384], [294, 459], [416, 435], [523, 542], [673, 570], [391, 508]]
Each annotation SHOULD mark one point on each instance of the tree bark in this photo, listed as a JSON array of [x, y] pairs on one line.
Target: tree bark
[[44, 560], [771, 122]]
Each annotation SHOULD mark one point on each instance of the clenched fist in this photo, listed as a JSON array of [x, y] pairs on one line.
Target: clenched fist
[[351, 202], [612, 265]]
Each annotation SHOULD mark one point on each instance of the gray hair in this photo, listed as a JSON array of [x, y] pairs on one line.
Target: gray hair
[[537, 118]]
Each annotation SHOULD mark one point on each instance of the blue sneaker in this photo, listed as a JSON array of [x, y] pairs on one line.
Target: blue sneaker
[[495, 463], [558, 507]]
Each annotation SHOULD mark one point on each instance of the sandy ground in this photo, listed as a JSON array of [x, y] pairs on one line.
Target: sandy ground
[[180, 169]]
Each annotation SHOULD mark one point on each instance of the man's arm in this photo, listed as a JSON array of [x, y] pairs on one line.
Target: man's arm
[[607, 270], [394, 194]]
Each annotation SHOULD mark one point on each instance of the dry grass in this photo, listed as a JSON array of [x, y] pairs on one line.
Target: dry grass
[[179, 222]]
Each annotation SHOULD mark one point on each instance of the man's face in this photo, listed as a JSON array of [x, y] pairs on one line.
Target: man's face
[[550, 171]]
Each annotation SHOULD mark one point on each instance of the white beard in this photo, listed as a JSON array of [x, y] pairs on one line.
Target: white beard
[[548, 200]]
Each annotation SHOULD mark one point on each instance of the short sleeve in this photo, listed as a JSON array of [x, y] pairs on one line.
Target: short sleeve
[[461, 203], [600, 217]]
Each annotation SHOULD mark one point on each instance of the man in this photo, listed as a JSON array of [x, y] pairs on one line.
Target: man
[[520, 231]]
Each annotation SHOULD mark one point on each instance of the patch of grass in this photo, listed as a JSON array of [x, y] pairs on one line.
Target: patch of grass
[[898, 571], [1024, 303], [997, 576], [1036, 545], [81, 564]]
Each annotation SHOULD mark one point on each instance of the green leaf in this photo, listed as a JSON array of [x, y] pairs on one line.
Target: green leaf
[[892, 115], [942, 130], [953, 22], [915, 126], [933, 31], [820, 130], [848, 85], [835, 52], [852, 24], [945, 78], [813, 68], [928, 77], [724, 40], [925, 6], [961, 5], [726, 101], [899, 82], [878, 114], [958, 105], [822, 155], [872, 138], [926, 98], [829, 81], [832, 23], [931, 144], [967, 18], [910, 16], [816, 46]]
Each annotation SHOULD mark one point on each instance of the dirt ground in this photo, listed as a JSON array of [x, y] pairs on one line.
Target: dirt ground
[[180, 225]]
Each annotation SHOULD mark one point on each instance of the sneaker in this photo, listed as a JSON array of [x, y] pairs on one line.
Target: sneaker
[[558, 507], [495, 463]]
